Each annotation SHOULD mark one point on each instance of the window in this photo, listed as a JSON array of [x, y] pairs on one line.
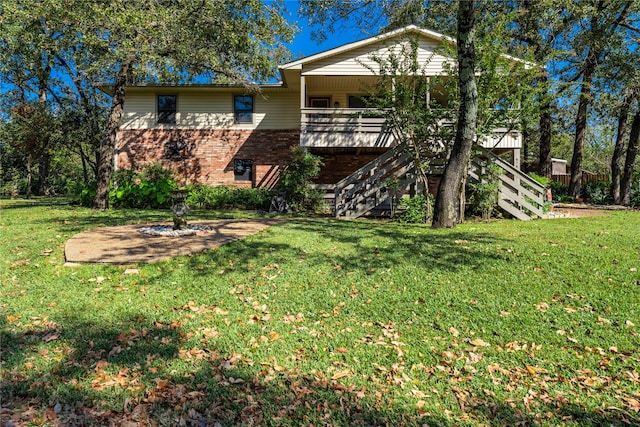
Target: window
[[319, 102], [167, 108], [243, 108]]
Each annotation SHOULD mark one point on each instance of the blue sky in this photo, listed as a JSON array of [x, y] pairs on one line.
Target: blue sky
[[303, 45]]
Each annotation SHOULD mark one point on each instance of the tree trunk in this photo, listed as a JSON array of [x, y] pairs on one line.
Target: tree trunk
[[575, 183], [598, 32], [619, 149], [545, 166], [105, 153], [29, 175], [445, 212], [632, 151], [43, 174]]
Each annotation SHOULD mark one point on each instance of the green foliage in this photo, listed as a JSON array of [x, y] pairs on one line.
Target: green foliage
[[220, 197], [149, 188], [86, 194], [415, 210], [597, 193], [296, 181], [635, 190], [207, 197], [400, 95], [483, 196], [542, 180], [558, 190]]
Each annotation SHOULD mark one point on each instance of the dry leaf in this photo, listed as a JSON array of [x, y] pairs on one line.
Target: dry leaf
[[479, 343], [542, 306], [274, 336], [341, 374]]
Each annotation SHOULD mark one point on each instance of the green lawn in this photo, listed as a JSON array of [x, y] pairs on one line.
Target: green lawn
[[324, 322]]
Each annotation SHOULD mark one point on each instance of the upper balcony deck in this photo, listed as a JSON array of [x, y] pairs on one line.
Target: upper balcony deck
[[361, 128]]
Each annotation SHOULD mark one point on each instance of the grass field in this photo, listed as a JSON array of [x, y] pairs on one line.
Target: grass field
[[324, 322]]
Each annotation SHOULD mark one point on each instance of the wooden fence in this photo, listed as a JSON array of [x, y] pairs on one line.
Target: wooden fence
[[586, 177]]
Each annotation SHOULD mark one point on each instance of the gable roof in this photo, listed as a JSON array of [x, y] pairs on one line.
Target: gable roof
[[410, 29]]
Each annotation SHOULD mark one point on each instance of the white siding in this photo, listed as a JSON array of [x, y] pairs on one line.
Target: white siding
[[212, 108], [355, 62], [502, 139]]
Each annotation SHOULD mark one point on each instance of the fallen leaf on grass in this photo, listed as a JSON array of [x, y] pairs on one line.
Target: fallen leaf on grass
[[210, 333], [274, 336], [479, 343], [533, 370], [50, 336], [542, 306], [632, 404], [20, 262], [341, 374]]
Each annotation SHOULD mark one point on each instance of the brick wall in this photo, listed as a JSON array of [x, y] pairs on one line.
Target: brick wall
[[207, 156], [338, 166]]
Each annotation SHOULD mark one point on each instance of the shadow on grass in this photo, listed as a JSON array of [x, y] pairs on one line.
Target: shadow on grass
[[115, 217], [146, 373], [352, 246]]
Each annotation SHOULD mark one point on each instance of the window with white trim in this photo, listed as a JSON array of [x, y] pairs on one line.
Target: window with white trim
[[243, 108], [167, 108]]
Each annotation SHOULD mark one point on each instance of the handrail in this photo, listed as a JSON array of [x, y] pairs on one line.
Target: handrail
[[367, 181], [377, 162], [521, 192]]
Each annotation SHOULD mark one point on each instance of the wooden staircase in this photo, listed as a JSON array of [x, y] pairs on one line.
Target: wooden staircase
[[366, 189], [519, 195]]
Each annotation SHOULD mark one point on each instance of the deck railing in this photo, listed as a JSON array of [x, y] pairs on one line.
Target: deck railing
[[342, 120]]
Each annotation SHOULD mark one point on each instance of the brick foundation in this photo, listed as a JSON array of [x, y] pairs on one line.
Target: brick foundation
[[338, 166], [207, 156]]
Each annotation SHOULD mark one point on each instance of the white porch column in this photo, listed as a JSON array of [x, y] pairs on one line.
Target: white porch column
[[516, 158], [303, 92]]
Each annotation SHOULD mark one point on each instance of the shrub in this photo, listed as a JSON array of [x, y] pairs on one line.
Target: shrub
[[149, 188], [597, 192], [296, 180], [206, 197], [635, 190], [415, 210], [252, 198], [483, 195], [220, 197], [542, 180], [87, 194], [559, 190]]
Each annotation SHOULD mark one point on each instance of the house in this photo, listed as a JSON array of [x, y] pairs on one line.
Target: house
[[224, 135]]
